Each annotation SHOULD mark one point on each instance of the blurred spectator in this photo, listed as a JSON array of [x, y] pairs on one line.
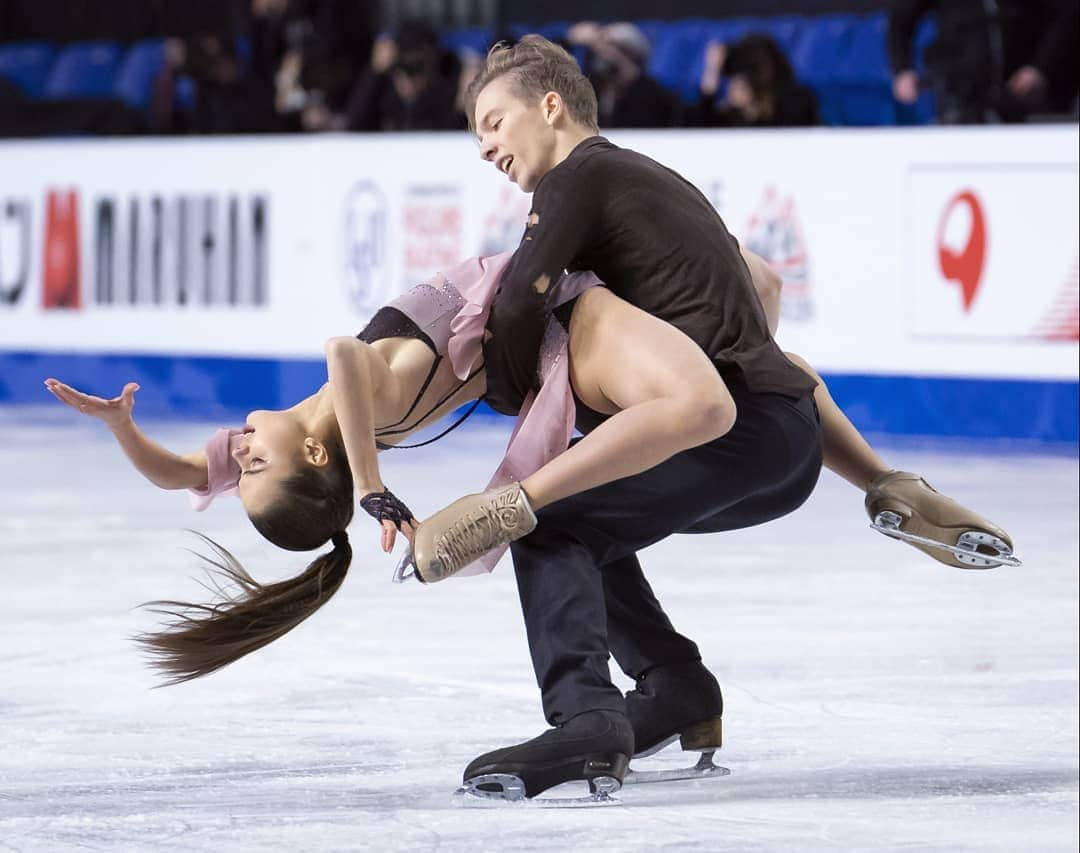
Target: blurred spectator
[[616, 59], [999, 61], [227, 98], [761, 87], [411, 84], [285, 65], [310, 52]]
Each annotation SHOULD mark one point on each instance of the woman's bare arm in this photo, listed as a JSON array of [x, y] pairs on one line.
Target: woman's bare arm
[[360, 380], [162, 467], [363, 388]]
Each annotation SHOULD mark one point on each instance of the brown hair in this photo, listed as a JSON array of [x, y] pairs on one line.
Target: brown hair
[[316, 506], [535, 67]]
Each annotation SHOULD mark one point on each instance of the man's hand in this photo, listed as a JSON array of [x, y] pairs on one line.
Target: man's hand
[[1026, 81], [115, 412], [585, 32], [715, 57], [905, 87]]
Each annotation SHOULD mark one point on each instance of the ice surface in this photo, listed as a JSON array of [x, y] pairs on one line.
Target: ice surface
[[875, 699]]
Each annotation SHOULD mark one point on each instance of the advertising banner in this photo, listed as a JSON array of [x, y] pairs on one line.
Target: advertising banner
[[925, 252]]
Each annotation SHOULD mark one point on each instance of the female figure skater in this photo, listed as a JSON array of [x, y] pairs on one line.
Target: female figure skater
[[296, 470]]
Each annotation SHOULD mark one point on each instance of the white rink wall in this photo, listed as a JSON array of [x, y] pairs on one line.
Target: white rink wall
[[939, 254]]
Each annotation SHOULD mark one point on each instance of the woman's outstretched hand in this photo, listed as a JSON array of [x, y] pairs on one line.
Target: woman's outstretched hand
[[115, 412]]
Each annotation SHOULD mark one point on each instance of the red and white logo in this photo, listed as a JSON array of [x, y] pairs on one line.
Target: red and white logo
[[432, 226], [991, 252], [963, 264], [60, 266], [775, 232], [504, 225], [1061, 322]]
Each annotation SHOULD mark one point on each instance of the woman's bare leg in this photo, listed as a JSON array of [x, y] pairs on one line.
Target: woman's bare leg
[[846, 452], [663, 394]]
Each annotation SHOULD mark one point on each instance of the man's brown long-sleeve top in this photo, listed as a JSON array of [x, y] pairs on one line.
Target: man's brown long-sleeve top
[[655, 241]]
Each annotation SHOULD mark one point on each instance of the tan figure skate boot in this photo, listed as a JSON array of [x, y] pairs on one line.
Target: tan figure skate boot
[[906, 507], [469, 528]]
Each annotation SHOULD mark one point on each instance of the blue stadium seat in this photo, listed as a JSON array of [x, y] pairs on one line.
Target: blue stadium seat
[[818, 47], [134, 80], [866, 58], [185, 93], [27, 65], [83, 70], [475, 39], [552, 31], [678, 51], [786, 29]]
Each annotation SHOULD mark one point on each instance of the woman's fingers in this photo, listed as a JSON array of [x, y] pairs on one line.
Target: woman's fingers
[[389, 535], [80, 400], [85, 403], [66, 395], [409, 529]]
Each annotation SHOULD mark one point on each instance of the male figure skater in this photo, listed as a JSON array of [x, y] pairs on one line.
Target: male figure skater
[[659, 244]]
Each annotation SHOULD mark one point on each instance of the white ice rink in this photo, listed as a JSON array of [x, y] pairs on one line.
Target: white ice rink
[[875, 699]]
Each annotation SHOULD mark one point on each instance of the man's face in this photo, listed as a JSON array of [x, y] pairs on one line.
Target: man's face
[[517, 136]]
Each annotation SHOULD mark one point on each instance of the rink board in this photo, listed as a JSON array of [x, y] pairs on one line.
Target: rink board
[[931, 272], [1038, 414]]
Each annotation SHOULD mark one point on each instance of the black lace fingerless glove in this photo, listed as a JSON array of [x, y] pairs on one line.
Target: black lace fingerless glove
[[385, 505]]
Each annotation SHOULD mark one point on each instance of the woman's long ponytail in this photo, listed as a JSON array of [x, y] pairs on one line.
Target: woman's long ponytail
[[202, 638]]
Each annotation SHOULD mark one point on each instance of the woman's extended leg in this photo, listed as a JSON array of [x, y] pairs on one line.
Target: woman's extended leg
[[901, 504], [845, 451], [662, 392], [663, 395]]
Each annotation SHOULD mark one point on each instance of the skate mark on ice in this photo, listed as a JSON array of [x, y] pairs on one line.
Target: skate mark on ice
[[886, 783]]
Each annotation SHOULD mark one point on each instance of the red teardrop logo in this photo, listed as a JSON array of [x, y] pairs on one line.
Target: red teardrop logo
[[61, 261], [965, 266]]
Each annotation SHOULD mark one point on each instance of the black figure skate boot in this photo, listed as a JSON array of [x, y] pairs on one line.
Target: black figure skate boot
[[680, 701], [594, 746]]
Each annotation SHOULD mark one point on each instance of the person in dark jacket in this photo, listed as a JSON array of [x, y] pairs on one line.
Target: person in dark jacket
[[1001, 61], [616, 61], [411, 85], [761, 87]]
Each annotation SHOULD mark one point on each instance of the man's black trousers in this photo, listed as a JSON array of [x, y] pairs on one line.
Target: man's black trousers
[[581, 586]]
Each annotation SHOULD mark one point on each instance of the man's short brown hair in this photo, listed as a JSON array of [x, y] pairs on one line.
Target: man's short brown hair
[[535, 67]]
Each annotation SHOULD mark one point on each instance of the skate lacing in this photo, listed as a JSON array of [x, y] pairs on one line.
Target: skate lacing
[[488, 526]]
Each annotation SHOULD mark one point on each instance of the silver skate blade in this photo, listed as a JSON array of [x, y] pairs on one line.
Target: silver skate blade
[[704, 769], [965, 550], [645, 753], [406, 568], [501, 790]]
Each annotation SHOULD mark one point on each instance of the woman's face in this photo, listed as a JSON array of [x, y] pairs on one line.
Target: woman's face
[[268, 453], [740, 94]]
